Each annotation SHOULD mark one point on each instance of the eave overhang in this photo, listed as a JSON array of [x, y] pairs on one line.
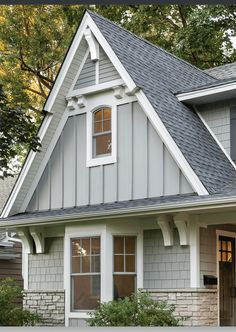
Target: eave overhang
[[198, 206], [207, 95]]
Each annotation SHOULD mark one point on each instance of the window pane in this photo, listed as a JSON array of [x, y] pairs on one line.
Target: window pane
[[76, 264], [107, 125], [103, 144], [98, 115], [76, 249], [223, 256], [95, 263], [118, 244], [98, 127], [219, 256], [106, 113], [85, 264], [95, 249], [124, 285], [86, 246], [229, 246], [223, 245], [130, 263], [85, 292], [229, 257], [130, 245], [118, 263]]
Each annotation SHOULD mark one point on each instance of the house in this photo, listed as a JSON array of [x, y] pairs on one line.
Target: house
[[135, 184], [10, 245]]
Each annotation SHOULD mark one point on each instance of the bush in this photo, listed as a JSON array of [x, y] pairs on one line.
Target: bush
[[138, 310], [11, 311]]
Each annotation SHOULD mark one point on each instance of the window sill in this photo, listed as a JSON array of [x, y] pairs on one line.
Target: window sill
[[101, 161], [80, 314]]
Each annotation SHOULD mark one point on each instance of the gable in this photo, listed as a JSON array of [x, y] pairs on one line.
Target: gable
[[63, 103], [144, 166]]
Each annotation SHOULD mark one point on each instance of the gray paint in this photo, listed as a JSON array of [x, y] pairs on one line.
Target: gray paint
[[217, 116], [87, 75], [165, 267], [144, 166], [46, 270], [233, 133], [107, 71], [77, 322]]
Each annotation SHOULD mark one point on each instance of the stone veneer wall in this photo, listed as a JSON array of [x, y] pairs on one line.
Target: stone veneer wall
[[200, 305], [50, 305]]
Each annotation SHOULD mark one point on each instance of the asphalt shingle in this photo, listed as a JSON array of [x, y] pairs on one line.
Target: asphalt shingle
[[223, 72], [159, 74]]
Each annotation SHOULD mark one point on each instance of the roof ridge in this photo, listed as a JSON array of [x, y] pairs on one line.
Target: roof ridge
[[151, 44]]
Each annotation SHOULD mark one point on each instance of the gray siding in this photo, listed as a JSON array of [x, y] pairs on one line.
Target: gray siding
[[144, 167], [217, 116], [87, 75], [165, 267], [107, 71], [77, 322], [207, 252], [46, 270]]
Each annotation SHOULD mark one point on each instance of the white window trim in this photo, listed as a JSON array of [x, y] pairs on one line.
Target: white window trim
[[106, 234], [109, 159]]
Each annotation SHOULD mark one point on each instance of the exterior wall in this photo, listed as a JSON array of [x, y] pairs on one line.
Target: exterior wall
[[12, 268], [107, 71], [87, 75], [144, 168], [217, 116], [46, 270], [50, 305], [200, 305], [165, 267], [207, 252]]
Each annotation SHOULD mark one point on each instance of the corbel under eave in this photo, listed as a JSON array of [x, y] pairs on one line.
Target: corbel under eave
[[167, 230], [92, 43], [26, 239], [39, 240]]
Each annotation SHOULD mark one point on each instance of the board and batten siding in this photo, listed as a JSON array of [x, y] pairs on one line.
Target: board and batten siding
[[144, 167]]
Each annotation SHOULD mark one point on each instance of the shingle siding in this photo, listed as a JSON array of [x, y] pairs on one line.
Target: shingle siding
[[165, 267], [46, 270]]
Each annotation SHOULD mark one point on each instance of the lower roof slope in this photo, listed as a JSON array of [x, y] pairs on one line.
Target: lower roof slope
[[223, 72], [159, 74]]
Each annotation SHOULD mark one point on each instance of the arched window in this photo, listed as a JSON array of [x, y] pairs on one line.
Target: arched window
[[102, 142]]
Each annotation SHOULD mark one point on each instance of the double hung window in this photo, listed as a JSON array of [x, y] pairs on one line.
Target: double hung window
[[85, 273], [102, 134]]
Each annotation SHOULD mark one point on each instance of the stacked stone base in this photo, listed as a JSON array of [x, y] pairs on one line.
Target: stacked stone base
[[199, 305], [50, 305]]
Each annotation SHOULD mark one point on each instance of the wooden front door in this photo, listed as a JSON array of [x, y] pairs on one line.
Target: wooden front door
[[226, 258]]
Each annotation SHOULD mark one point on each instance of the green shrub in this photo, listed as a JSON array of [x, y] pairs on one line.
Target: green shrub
[[11, 311], [138, 310]]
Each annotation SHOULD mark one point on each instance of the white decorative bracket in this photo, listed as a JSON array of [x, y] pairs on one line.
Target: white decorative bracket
[[71, 104], [167, 231], [81, 101], [180, 221], [38, 236], [129, 92], [93, 44], [118, 91], [27, 240]]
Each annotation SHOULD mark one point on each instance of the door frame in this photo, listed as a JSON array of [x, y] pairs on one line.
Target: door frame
[[219, 233]]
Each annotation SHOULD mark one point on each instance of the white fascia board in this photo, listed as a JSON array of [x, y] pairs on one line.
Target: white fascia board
[[170, 144], [67, 62], [26, 167], [111, 55], [192, 95]]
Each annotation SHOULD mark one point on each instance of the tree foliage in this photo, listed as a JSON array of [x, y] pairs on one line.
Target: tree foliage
[[137, 310], [11, 311], [34, 40]]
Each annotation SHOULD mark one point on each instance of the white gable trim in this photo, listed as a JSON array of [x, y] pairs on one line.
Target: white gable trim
[[131, 86]]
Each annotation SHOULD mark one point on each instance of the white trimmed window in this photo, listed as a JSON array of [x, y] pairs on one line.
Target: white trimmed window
[[124, 273], [85, 273], [101, 136]]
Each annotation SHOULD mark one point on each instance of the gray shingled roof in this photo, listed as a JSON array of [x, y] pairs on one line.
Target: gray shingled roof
[[222, 72], [209, 85], [159, 73]]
